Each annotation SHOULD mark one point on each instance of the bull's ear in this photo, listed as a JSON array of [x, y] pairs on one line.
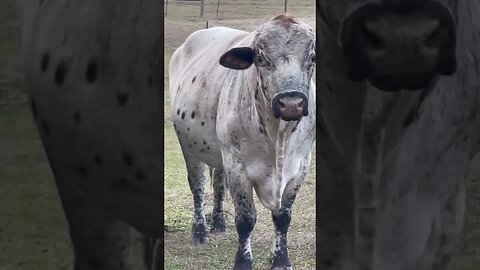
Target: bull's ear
[[238, 58]]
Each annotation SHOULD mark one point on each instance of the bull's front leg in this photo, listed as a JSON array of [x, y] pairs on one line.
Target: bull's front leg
[[245, 217], [281, 220]]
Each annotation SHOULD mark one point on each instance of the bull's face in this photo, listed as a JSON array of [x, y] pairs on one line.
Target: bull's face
[[283, 54], [394, 43]]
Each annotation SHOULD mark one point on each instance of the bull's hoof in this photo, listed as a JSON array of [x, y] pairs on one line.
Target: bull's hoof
[[199, 234], [200, 240], [243, 260], [281, 262], [243, 265], [218, 226]]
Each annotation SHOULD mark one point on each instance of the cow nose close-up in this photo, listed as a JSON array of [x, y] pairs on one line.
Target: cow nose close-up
[[290, 106], [397, 45]]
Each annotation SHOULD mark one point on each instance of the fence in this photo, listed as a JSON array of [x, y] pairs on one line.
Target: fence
[[202, 7], [171, 36], [236, 9], [183, 17]]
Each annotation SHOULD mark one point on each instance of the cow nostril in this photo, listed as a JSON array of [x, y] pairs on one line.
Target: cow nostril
[[300, 105], [434, 37], [282, 104], [371, 37]]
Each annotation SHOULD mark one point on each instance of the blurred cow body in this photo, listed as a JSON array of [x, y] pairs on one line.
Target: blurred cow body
[[393, 164]]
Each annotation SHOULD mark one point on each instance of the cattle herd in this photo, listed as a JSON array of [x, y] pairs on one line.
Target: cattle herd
[[396, 105]]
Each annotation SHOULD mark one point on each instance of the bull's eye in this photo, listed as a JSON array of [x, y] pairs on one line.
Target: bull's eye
[[261, 61], [313, 58]]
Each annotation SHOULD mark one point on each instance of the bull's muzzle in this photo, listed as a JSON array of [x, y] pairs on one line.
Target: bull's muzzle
[[399, 44], [290, 106]]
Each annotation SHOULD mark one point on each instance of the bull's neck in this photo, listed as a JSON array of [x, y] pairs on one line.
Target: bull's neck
[[274, 130], [253, 97]]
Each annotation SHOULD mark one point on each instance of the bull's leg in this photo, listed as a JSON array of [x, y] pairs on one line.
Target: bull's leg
[[196, 180], [99, 242], [148, 250], [218, 220], [245, 218], [281, 220], [335, 228], [153, 257]]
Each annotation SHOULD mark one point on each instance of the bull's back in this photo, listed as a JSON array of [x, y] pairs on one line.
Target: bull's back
[[196, 80], [201, 51]]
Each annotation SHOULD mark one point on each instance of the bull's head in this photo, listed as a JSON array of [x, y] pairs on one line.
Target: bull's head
[[394, 43], [283, 54]]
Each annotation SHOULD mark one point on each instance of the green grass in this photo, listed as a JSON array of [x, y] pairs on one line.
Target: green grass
[[33, 233], [469, 252]]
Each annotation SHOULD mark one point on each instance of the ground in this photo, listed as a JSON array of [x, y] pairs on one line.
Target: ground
[[33, 231]]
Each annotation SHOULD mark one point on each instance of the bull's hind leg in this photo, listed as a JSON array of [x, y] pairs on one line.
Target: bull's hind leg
[[99, 242], [281, 220], [196, 180], [218, 220]]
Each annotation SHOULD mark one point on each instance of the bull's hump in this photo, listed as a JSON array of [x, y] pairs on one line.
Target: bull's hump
[[285, 20]]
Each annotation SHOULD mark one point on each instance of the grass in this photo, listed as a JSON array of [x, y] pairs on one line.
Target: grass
[[180, 253], [33, 233]]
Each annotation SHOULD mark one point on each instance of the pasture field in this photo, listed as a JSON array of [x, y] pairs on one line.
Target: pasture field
[[33, 229]]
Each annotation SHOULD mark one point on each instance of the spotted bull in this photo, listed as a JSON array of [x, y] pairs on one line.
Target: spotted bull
[[398, 126], [244, 104]]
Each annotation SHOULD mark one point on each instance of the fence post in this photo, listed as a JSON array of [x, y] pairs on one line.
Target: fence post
[[285, 9], [166, 8], [202, 6], [218, 5]]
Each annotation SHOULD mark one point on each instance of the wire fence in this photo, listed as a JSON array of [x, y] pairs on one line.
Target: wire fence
[[236, 9], [219, 3], [180, 23], [170, 46], [181, 28], [182, 17]]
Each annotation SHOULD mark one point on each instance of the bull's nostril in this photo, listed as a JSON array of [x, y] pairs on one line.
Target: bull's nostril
[[434, 37], [282, 104], [300, 105], [371, 37]]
